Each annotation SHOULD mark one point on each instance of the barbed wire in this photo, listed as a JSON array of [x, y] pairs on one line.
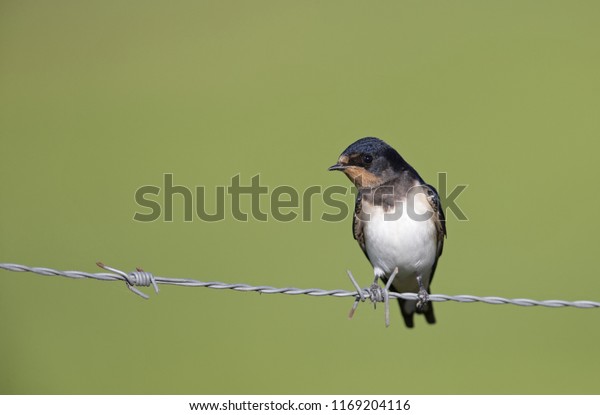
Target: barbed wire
[[374, 293]]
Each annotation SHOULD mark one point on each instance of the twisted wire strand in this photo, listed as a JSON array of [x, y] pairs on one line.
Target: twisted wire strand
[[142, 278]]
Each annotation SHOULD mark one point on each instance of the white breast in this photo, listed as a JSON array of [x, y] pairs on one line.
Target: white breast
[[399, 240]]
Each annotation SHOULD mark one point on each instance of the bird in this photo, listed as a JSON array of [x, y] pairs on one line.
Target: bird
[[398, 221]]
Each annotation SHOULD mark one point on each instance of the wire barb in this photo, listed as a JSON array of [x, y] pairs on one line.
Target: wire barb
[[375, 293], [359, 294], [138, 277]]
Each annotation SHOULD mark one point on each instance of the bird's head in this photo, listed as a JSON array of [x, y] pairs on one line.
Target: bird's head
[[370, 162]]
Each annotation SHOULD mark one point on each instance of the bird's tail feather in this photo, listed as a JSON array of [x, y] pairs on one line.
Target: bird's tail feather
[[408, 308]]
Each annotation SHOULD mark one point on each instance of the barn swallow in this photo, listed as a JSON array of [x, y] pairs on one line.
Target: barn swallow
[[398, 221]]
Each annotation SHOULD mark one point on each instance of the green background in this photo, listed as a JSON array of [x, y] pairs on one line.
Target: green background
[[100, 98]]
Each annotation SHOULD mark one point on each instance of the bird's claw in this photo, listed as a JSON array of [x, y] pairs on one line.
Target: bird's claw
[[423, 295]]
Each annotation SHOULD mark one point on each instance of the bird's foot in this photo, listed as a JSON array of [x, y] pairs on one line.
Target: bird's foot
[[423, 295]]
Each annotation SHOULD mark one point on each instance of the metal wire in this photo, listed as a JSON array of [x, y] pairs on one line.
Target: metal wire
[[141, 278]]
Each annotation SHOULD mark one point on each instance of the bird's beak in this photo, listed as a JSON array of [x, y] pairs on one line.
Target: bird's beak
[[337, 166]]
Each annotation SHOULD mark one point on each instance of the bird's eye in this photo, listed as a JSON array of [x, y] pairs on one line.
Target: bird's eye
[[367, 158]]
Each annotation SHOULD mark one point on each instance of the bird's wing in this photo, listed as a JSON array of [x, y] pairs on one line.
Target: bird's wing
[[358, 225], [438, 216], [440, 223]]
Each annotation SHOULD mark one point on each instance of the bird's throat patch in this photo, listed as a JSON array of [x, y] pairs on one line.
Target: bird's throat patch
[[362, 177]]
